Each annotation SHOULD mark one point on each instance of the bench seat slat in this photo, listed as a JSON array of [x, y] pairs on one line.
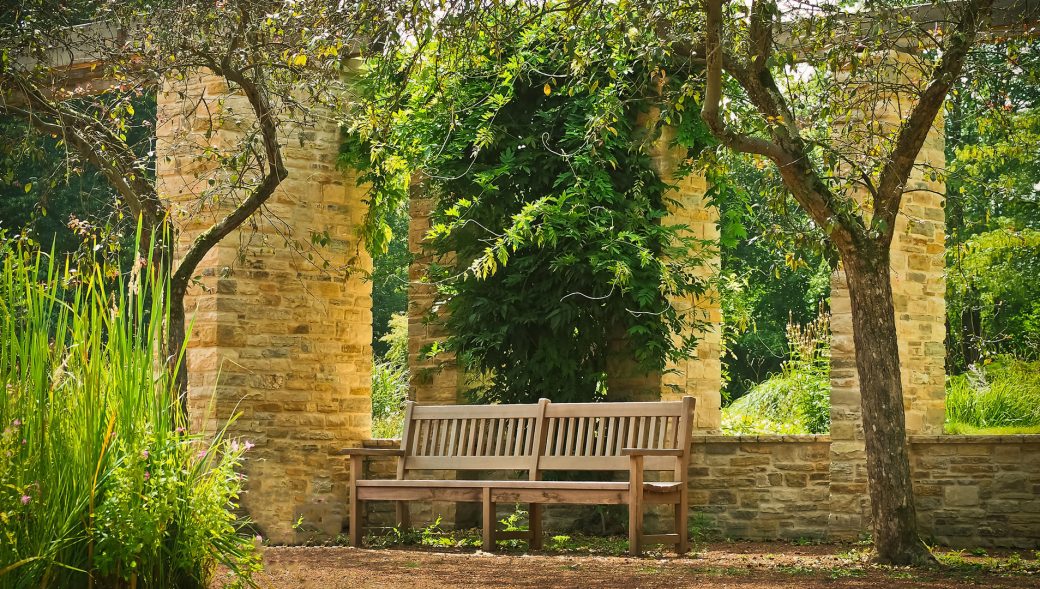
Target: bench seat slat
[[650, 487]]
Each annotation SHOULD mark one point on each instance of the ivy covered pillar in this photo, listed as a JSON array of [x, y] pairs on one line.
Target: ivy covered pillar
[[700, 374], [919, 290], [276, 338]]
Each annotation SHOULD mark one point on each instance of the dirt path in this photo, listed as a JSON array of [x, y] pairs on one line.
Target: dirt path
[[736, 566]]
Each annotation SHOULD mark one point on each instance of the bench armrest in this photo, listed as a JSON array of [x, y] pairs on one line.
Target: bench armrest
[[652, 452], [371, 452]]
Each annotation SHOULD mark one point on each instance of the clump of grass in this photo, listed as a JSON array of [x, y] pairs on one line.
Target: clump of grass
[[1000, 396], [99, 478], [796, 401]]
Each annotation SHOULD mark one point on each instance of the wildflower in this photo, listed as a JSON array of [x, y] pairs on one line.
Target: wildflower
[[147, 475], [201, 454], [26, 499], [17, 422], [144, 454], [249, 445], [180, 430]]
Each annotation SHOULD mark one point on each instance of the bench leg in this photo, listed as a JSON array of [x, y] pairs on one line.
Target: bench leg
[[682, 511], [535, 543], [635, 507], [489, 521], [357, 525], [404, 520]]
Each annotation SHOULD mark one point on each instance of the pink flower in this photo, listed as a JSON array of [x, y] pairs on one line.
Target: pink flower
[[17, 422], [144, 454], [249, 445], [147, 475], [201, 454], [26, 499], [180, 430]]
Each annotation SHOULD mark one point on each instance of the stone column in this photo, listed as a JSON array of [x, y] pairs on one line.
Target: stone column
[[699, 375], [276, 339], [919, 288], [435, 379]]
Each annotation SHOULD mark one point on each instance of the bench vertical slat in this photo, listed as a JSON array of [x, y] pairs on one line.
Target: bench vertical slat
[[510, 428], [568, 449], [496, 445], [609, 447], [406, 437], [662, 424], [601, 440], [640, 436], [558, 446], [518, 434], [442, 434], [579, 442]]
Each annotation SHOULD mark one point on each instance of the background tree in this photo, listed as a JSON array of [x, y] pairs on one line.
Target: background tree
[[826, 169]]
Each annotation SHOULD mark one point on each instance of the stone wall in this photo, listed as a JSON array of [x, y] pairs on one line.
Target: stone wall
[[972, 491], [276, 338]]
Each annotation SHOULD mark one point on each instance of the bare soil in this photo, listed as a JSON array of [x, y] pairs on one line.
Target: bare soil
[[713, 566]]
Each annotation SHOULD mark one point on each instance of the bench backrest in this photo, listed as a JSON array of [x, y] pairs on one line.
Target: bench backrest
[[543, 436]]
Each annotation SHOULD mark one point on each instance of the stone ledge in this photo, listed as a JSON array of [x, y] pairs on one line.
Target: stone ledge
[[764, 439], [980, 439]]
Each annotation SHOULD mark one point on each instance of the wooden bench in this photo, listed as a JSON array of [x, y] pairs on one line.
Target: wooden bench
[[537, 438]]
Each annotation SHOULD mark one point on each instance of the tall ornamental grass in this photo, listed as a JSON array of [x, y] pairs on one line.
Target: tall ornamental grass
[[100, 483], [999, 397]]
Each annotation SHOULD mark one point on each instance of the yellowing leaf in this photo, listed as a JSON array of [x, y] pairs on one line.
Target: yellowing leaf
[[300, 60], [28, 186], [130, 109], [547, 89]]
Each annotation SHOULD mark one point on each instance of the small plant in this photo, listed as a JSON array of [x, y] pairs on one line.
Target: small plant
[[796, 401]]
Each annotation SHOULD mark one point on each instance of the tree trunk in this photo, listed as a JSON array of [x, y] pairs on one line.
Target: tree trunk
[[884, 421], [176, 354]]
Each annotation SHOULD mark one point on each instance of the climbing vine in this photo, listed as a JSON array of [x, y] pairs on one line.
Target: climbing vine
[[550, 225]]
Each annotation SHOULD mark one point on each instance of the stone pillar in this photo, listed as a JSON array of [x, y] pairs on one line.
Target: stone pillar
[[919, 289], [699, 375], [276, 339], [435, 380]]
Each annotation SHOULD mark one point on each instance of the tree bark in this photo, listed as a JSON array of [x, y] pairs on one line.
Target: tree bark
[[892, 507]]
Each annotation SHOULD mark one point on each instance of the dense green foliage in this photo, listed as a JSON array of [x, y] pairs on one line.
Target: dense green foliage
[[537, 150], [993, 205], [1001, 396], [797, 399], [390, 380], [96, 476]]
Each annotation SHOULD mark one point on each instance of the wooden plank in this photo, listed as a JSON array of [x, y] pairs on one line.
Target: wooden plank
[[572, 496], [558, 447], [600, 439], [662, 424], [442, 438], [602, 463], [489, 520], [499, 426], [500, 484], [660, 538], [635, 507], [509, 437], [471, 445], [640, 438], [453, 438], [406, 439], [418, 494], [609, 450], [473, 411], [631, 429], [467, 463], [556, 410], [571, 430], [538, 444]]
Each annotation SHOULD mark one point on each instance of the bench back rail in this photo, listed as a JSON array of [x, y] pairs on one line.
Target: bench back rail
[[543, 436]]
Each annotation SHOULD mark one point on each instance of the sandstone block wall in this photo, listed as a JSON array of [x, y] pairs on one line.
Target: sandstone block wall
[[972, 491], [275, 338]]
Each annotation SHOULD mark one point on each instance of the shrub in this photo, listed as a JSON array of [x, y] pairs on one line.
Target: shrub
[[795, 401], [98, 475], [1004, 393], [390, 381]]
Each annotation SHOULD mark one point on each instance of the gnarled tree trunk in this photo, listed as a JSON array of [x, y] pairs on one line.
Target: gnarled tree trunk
[[877, 362]]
